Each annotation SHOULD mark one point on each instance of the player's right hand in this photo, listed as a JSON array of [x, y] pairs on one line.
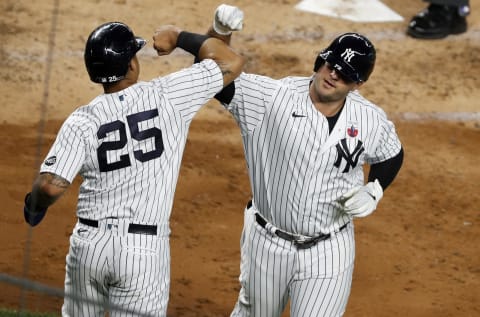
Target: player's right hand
[[165, 39], [33, 218], [227, 19]]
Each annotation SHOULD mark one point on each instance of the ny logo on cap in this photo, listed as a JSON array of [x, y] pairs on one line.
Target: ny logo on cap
[[348, 54]]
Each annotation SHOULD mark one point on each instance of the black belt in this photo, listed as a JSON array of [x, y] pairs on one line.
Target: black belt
[[132, 228], [299, 243]]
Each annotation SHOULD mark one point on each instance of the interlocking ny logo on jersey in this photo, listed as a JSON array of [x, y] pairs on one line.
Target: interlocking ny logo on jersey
[[343, 153]]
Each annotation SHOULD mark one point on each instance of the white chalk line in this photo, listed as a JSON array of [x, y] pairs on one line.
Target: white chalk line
[[437, 116]]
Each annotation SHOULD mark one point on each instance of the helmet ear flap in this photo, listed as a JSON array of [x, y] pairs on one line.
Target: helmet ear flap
[[319, 61]]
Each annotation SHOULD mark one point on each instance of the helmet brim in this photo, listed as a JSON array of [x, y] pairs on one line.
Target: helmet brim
[[141, 42], [343, 68]]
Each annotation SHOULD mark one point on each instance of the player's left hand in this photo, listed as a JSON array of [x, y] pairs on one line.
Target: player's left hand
[[227, 19], [33, 218], [361, 201]]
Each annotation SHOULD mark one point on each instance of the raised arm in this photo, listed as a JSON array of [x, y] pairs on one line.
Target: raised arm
[[226, 19], [168, 37], [229, 62]]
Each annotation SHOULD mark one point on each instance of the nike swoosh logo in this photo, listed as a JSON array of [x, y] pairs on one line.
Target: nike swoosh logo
[[296, 115], [373, 196]]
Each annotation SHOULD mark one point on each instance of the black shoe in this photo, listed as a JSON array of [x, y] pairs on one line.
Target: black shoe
[[436, 22]]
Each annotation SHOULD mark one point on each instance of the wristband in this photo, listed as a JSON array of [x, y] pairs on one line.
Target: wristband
[[191, 42], [32, 218]]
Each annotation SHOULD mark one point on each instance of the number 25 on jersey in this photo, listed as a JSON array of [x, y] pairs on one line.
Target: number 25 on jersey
[[133, 121]]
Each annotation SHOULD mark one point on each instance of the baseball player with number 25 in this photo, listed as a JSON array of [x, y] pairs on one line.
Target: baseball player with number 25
[[127, 144], [306, 140]]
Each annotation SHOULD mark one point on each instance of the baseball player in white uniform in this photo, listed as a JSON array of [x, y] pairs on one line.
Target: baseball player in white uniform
[[127, 145], [306, 140]]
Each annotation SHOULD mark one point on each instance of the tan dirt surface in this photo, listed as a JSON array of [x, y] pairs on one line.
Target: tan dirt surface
[[417, 255]]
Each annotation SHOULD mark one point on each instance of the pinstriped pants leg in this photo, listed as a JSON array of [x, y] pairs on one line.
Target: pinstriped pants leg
[[130, 272], [323, 278], [318, 280]]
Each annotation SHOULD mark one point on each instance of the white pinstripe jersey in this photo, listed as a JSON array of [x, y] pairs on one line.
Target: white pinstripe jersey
[[128, 146], [297, 169]]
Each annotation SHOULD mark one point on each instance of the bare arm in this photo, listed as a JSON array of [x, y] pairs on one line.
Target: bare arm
[[226, 20], [168, 37], [46, 189], [229, 62], [226, 94]]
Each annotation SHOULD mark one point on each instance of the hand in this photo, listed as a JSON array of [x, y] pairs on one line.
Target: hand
[[227, 19], [165, 39], [361, 201], [33, 218]]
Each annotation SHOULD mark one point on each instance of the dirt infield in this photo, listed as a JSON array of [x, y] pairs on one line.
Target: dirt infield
[[417, 255]]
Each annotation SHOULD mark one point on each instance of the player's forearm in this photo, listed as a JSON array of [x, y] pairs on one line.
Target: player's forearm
[[46, 189], [225, 96]]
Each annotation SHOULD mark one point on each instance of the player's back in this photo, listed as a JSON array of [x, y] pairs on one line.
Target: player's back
[[134, 144], [128, 145]]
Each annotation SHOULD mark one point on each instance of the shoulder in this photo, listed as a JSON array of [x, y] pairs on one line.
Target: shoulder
[[296, 80], [358, 101], [80, 115], [206, 63], [255, 77], [297, 83], [82, 119], [257, 80], [207, 66]]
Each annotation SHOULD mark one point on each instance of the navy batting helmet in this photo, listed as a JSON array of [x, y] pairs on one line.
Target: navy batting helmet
[[108, 51], [351, 54]]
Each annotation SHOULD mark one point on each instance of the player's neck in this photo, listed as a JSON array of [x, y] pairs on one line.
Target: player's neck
[[329, 109], [118, 86]]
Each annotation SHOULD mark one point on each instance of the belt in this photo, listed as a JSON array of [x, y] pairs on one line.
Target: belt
[[299, 241], [132, 228]]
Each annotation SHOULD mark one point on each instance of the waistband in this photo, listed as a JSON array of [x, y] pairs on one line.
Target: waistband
[[132, 227], [300, 241]]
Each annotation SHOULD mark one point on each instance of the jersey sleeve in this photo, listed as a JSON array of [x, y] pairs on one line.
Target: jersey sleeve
[[388, 143], [66, 156], [253, 95], [189, 89]]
